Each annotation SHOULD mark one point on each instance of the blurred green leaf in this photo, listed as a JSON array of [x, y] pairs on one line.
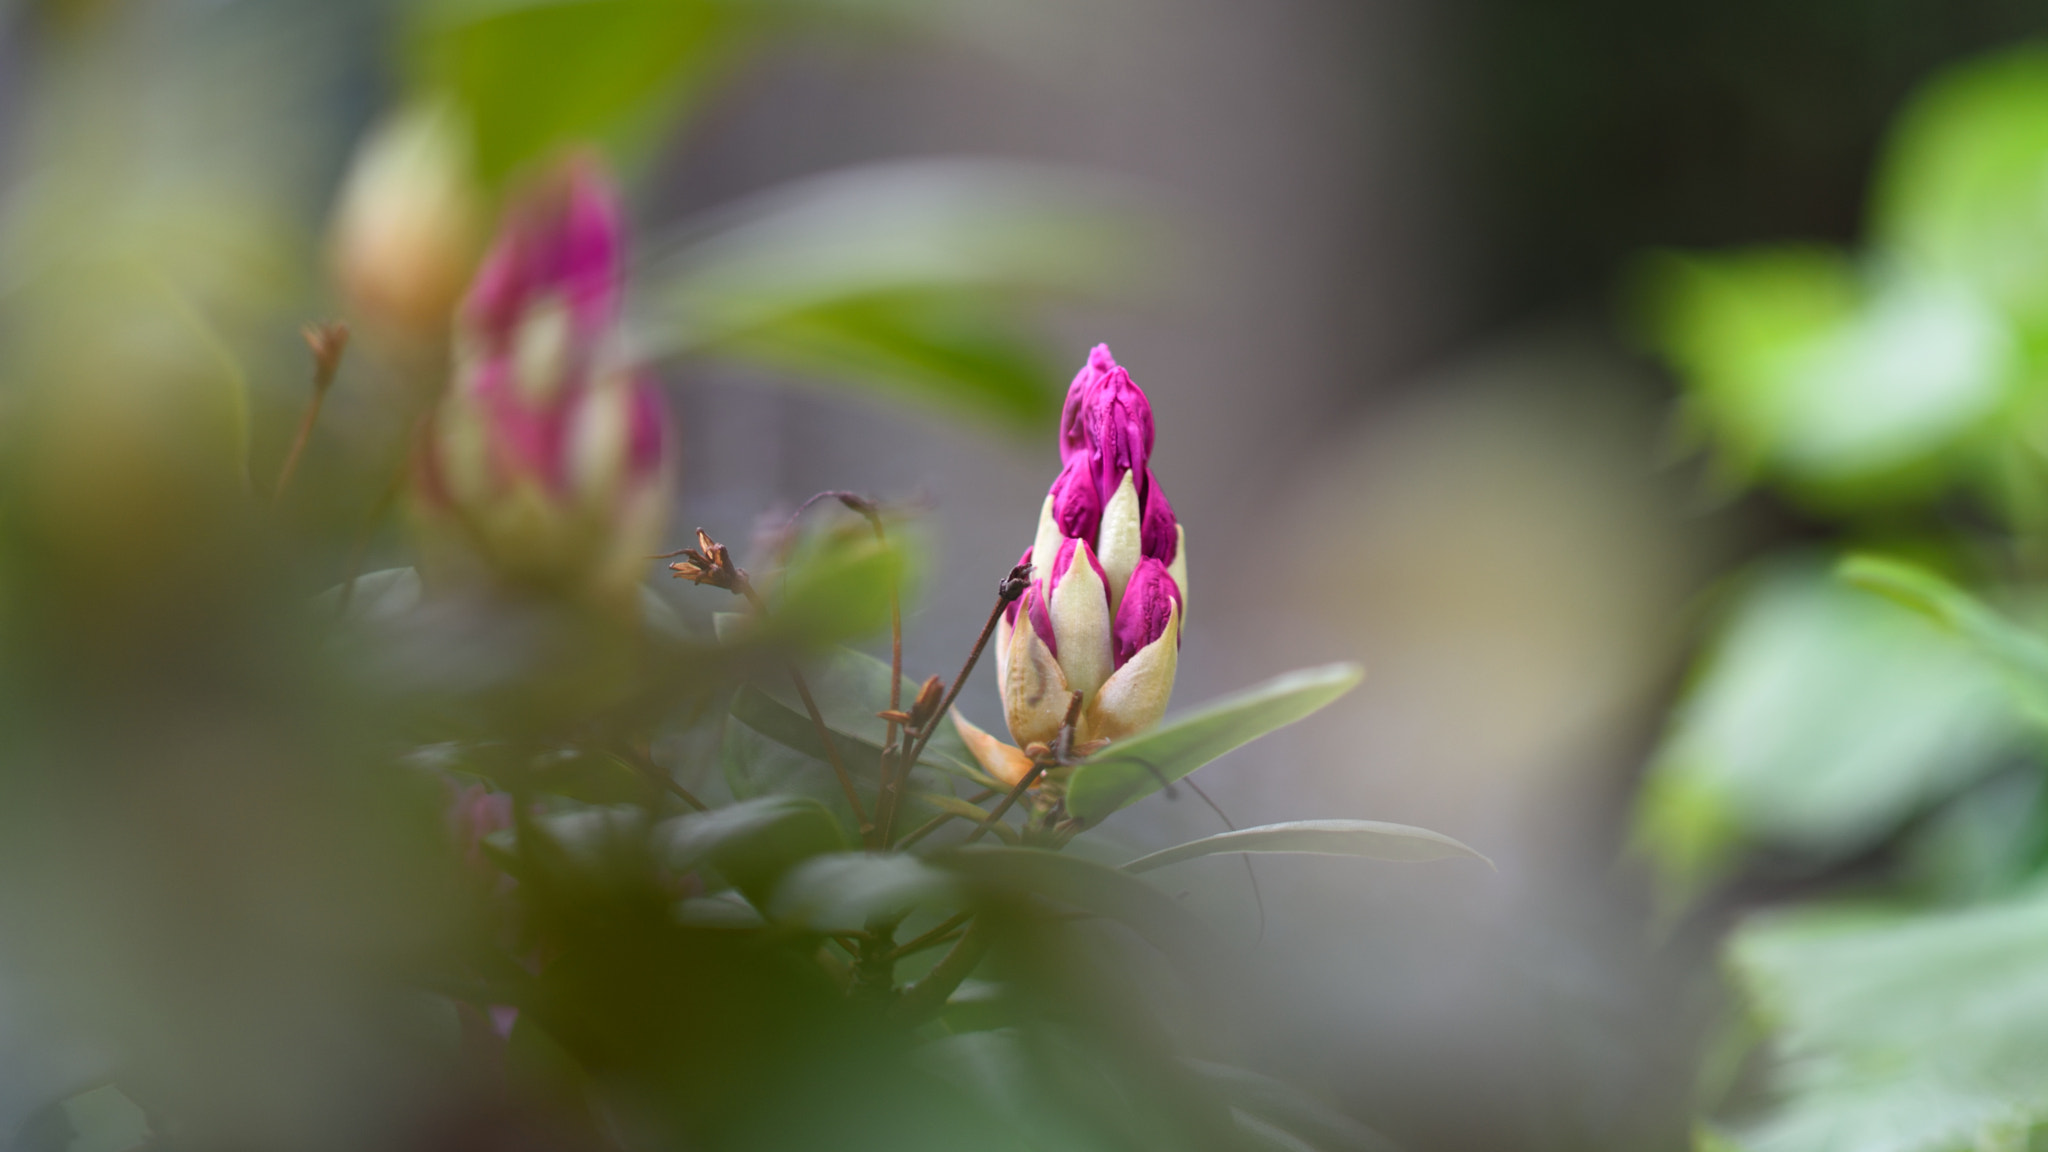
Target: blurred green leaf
[[1013, 873], [754, 843], [789, 726], [1964, 175], [1132, 769], [534, 75], [840, 892], [2021, 653], [1850, 389], [1819, 720], [1282, 1108], [903, 277], [1897, 1032], [834, 587], [1368, 838]]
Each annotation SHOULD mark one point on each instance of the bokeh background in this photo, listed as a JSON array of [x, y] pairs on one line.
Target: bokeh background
[[1371, 260]]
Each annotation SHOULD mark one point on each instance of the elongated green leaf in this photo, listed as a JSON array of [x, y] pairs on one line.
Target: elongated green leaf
[[2021, 653], [1133, 769], [753, 843], [904, 277], [1368, 838], [841, 891], [1022, 872]]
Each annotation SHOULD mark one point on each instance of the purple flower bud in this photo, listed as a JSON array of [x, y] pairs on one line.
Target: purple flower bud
[[1076, 504], [1073, 429], [1159, 534], [1118, 419], [563, 242], [1149, 604], [549, 458]]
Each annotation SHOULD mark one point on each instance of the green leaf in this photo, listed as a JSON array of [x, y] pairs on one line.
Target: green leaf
[[2021, 653], [1819, 720], [753, 843], [1279, 1107], [1900, 1032], [1848, 388], [904, 277], [1960, 189], [1368, 838], [534, 75], [1132, 769], [840, 892], [1030, 872]]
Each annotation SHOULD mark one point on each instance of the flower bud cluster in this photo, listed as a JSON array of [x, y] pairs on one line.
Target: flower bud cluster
[[1103, 612], [549, 460]]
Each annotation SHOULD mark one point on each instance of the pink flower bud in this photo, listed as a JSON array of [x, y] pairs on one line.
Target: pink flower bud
[[1118, 419], [548, 463], [1073, 432], [1109, 629]]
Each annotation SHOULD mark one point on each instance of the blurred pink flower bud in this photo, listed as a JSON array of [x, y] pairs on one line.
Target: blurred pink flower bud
[[1103, 613], [549, 461]]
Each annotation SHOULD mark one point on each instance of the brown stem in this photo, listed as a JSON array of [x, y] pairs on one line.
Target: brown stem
[[1023, 785], [803, 689], [935, 823], [1012, 587], [327, 342]]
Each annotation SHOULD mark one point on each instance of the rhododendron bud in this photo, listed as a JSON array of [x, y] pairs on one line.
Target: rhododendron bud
[[549, 459], [1103, 613], [408, 223]]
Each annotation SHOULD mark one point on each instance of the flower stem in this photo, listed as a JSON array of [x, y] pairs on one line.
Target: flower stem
[[327, 342]]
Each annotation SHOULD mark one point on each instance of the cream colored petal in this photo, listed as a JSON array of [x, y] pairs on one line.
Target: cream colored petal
[[1002, 761], [1080, 622], [1135, 698], [1035, 691], [1179, 568], [598, 445], [1119, 543], [1002, 654], [1046, 548]]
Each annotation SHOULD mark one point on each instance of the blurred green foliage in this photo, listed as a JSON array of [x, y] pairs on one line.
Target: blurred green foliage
[[1872, 733]]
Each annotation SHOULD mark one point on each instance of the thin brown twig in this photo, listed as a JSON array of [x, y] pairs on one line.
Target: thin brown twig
[[1012, 587], [803, 690], [327, 342]]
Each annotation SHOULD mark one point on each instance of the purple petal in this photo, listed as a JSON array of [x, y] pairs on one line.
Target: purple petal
[[1073, 429], [1076, 503], [563, 239], [1149, 600], [1118, 418], [1040, 614], [1159, 530]]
